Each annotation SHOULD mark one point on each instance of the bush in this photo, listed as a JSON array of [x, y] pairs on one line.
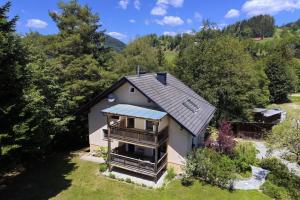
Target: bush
[[128, 180], [170, 174], [280, 176], [211, 166], [102, 167], [111, 175], [186, 181], [244, 156], [274, 191]]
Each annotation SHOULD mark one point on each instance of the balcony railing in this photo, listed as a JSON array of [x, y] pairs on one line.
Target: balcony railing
[[143, 166], [144, 137]]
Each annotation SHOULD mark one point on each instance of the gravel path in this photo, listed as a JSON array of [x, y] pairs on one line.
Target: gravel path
[[263, 153], [254, 182]]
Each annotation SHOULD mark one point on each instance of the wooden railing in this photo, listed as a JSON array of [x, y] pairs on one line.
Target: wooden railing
[[137, 135], [137, 165]]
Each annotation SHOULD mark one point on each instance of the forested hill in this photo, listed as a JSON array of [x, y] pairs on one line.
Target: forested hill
[[114, 43], [293, 25]]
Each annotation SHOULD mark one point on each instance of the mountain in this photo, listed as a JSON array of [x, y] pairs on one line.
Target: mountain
[[114, 43], [293, 25]]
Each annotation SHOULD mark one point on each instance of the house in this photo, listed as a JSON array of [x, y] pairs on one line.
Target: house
[[148, 122]]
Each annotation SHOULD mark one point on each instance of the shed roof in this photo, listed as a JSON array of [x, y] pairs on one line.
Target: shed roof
[[135, 111]]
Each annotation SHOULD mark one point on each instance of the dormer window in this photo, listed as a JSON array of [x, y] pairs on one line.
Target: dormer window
[[132, 90]]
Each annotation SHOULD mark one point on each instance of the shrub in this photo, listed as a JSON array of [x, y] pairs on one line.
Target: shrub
[[186, 181], [103, 152], [170, 174], [244, 155], [274, 191], [111, 175], [102, 167], [128, 180], [211, 166], [280, 176]]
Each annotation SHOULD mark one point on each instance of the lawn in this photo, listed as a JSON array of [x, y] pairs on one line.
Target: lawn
[[66, 177], [292, 108]]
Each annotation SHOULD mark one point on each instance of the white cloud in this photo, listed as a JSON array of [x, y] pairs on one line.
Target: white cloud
[[173, 33], [159, 10], [232, 13], [132, 21], [36, 23], [170, 20], [189, 21], [170, 33], [124, 4], [174, 3], [190, 32], [256, 7], [198, 16], [162, 6], [137, 4], [117, 35]]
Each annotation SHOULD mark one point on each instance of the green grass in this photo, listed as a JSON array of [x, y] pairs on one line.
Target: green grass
[[64, 177], [292, 108]]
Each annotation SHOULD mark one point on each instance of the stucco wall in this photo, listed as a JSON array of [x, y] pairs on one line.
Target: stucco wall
[[97, 121], [179, 145]]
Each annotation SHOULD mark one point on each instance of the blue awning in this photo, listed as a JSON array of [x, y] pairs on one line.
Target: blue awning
[[135, 111]]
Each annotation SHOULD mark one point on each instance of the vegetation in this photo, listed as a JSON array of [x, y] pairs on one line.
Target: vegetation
[[244, 156], [211, 166], [258, 26], [286, 135], [45, 80], [103, 167], [281, 183], [65, 177], [224, 74], [170, 174]]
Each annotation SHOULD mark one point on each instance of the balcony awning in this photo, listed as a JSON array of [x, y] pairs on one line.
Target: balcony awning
[[135, 111]]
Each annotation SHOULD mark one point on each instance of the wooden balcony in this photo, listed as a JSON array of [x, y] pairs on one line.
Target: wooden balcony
[[138, 136], [137, 163]]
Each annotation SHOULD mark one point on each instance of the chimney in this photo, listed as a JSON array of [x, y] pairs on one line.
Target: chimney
[[138, 70], [162, 77]]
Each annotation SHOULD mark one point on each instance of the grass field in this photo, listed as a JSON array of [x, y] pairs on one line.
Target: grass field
[[292, 108], [65, 177]]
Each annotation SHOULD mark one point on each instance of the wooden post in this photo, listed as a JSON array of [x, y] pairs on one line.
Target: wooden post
[[156, 150], [109, 144]]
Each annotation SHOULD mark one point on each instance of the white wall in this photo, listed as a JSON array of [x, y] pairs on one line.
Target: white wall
[[97, 121], [179, 145]]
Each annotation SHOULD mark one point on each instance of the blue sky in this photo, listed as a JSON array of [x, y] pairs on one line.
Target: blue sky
[[127, 19]]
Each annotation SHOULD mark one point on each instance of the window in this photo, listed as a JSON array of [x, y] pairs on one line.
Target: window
[[149, 125], [132, 90], [130, 122], [115, 117]]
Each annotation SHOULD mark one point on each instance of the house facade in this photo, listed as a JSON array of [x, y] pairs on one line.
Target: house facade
[[148, 122]]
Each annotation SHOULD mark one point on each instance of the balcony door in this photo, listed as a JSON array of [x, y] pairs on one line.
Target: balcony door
[[130, 122]]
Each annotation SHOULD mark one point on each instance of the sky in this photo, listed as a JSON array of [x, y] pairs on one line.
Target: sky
[[128, 19]]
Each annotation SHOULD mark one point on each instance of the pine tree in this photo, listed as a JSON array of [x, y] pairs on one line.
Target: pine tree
[[12, 79]]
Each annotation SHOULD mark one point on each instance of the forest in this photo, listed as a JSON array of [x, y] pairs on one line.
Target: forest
[[47, 79]]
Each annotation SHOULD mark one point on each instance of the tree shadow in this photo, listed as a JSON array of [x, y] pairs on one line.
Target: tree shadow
[[43, 181]]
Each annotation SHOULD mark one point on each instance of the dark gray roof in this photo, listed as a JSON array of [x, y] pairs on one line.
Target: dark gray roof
[[185, 106]]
